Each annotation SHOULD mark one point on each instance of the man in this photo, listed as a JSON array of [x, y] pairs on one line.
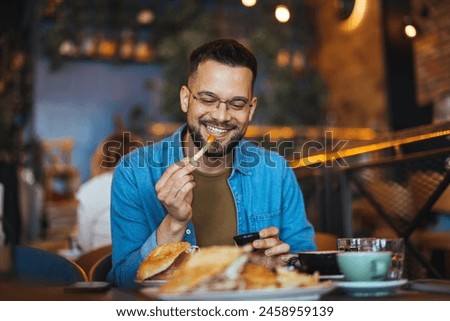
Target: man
[[159, 195]]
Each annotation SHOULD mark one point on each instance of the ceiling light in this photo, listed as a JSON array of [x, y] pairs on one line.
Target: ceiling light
[[410, 28], [249, 3], [282, 13]]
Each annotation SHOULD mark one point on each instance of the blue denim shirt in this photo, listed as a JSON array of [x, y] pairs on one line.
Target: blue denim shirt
[[264, 188]]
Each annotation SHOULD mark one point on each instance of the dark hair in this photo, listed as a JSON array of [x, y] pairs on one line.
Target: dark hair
[[226, 51], [116, 146], [112, 149]]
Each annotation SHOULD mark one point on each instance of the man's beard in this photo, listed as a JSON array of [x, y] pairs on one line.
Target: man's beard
[[216, 149]]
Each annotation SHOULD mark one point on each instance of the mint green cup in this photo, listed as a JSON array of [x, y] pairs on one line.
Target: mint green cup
[[364, 266]]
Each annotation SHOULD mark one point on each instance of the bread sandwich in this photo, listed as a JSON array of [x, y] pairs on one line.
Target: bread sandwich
[[214, 268], [163, 261]]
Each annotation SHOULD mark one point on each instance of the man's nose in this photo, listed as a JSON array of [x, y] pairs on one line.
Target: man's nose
[[221, 113]]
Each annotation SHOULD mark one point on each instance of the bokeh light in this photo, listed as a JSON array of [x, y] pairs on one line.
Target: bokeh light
[[249, 3], [282, 13]]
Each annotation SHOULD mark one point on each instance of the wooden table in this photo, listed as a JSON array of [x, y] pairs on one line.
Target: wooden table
[[10, 291]]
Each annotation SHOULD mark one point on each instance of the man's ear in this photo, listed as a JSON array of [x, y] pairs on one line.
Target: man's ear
[[252, 109], [184, 98]]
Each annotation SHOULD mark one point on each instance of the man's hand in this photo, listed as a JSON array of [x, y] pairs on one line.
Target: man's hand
[[273, 250], [174, 191]]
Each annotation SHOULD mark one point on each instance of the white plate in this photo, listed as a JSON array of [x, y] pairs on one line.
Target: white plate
[[151, 283], [286, 294], [371, 288], [331, 277]]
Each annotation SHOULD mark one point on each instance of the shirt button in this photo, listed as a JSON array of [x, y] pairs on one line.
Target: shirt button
[[188, 231]]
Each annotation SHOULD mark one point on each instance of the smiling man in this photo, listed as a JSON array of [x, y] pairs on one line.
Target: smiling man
[[160, 196]]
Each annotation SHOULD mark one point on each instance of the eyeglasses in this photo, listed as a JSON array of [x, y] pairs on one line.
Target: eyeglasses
[[210, 99]]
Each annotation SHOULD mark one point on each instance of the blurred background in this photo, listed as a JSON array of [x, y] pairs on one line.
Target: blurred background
[[346, 74]]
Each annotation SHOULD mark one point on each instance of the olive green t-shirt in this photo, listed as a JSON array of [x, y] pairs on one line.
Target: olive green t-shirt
[[213, 208]]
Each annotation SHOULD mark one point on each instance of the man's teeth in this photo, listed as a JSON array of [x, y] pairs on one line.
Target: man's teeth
[[216, 130]]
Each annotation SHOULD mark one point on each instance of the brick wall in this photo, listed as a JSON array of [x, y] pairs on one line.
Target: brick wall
[[432, 49]]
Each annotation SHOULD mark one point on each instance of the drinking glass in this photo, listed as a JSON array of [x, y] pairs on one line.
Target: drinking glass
[[397, 247], [356, 244]]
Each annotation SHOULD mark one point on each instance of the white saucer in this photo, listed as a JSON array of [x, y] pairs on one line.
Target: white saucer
[[371, 288], [331, 277]]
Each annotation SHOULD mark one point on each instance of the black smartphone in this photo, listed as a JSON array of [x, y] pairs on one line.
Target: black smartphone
[[84, 287], [243, 239], [430, 285]]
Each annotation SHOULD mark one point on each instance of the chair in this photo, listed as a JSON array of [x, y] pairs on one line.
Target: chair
[[33, 265], [99, 271], [87, 260]]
